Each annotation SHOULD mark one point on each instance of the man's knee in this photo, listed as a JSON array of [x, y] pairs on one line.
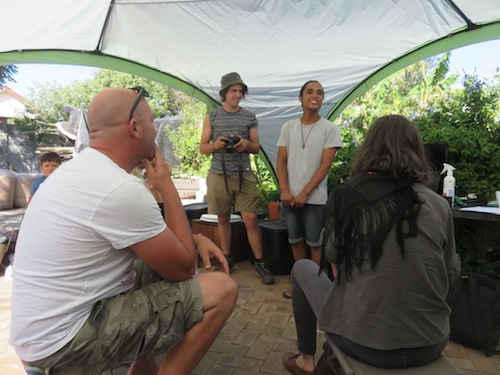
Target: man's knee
[[228, 287], [250, 220], [217, 289]]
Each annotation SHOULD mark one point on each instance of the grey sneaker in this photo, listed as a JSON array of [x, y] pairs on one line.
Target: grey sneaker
[[263, 273]]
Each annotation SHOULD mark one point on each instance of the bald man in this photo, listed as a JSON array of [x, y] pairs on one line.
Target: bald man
[[101, 279]]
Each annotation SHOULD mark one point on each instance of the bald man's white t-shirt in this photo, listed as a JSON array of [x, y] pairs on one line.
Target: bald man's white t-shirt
[[72, 250]]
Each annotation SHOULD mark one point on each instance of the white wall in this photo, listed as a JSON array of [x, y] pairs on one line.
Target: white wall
[[10, 106]]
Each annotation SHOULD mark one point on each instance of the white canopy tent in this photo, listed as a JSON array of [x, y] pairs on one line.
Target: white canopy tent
[[276, 45]]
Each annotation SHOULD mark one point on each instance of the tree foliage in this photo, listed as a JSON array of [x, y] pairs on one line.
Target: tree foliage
[[409, 92], [186, 141], [465, 114], [467, 119], [7, 73], [47, 102], [268, 190], [164, 101]]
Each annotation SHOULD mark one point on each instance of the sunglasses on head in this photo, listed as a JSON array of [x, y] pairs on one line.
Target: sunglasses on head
[[142, 94]]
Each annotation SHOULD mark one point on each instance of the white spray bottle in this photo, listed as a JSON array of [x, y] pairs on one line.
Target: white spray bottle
[[449, 183]]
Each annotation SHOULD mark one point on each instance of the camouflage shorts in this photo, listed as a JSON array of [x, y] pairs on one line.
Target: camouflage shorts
[[136, 325]]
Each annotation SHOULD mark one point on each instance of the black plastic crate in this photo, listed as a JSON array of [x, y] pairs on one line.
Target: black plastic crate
[[277, 251]]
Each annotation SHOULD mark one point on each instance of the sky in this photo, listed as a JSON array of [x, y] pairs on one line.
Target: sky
[[483, 58]]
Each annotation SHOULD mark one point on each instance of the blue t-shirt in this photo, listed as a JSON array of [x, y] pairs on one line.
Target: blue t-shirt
[[36, 184]]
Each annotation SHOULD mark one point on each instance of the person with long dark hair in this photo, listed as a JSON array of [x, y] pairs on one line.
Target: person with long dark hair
[[390, 241]]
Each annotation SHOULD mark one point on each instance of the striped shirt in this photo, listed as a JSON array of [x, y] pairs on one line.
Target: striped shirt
[[231, 123]]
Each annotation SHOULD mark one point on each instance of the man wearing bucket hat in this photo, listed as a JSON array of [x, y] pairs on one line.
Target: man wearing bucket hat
[[230, 135]]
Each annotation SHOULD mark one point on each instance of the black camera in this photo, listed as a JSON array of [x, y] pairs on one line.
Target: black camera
[[232, 140]]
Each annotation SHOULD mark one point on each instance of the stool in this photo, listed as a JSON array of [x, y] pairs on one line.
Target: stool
[[240, 249], [351, 366], [195, 210]]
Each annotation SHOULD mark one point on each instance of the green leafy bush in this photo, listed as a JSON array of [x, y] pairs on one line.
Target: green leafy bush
[[269, 191], [186, 142], [467, 119]]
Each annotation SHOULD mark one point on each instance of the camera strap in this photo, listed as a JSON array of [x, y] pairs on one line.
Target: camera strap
[[240, 175]]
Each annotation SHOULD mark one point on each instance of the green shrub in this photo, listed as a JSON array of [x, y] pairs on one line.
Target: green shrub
[[186, 142]]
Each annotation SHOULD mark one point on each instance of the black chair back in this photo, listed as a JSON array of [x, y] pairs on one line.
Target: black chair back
[[437, 153]]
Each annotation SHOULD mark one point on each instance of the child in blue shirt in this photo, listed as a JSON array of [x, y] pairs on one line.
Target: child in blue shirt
[[49, 162]]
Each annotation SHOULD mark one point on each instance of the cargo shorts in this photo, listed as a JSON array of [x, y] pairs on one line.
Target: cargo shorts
[[138, 325], [220, 201]]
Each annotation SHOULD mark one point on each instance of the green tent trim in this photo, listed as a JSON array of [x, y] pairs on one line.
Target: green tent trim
[[461, 38]]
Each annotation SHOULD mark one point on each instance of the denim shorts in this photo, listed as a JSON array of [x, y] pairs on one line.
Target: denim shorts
[[138, 325], [304, 223]]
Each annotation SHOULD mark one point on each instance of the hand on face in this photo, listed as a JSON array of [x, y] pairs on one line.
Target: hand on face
[[157, 170]]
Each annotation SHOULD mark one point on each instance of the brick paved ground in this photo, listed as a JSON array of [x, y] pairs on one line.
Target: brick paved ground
[[254, 339]]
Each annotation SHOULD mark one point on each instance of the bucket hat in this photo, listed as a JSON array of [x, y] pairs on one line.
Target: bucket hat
[[230, 79]]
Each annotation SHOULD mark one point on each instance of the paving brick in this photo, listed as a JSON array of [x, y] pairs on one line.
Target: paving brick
[[463, 363], [279, 320], [261, 348], [486, 364], [220, 370], [255, 337], [253, 318], [273, 364], [208, 362], [239, 371], [246, 338], [240, 362], [234, 327], [454, 349], [228, 348]]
